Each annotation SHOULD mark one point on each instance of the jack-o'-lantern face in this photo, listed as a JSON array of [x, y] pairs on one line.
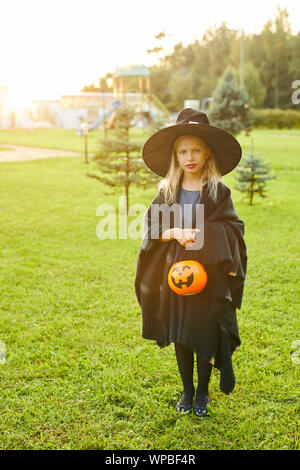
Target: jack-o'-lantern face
[[187, 277]]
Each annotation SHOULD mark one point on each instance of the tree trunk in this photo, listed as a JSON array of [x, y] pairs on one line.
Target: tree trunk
[[251, 192]]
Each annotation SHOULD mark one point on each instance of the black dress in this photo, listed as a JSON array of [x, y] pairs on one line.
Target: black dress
[[206, 322], [177, 302], [203, 337]]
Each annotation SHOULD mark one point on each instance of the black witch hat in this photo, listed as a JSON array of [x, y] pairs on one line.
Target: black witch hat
[[157, 150]]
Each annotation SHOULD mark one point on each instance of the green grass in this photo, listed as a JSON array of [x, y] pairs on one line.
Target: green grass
[[5, 148], [78, 374], [63, 139]]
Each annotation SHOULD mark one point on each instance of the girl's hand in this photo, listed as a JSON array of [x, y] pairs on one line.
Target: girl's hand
[[185, 235]]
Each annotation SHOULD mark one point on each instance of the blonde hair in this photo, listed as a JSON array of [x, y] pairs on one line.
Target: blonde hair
[[209, 174]]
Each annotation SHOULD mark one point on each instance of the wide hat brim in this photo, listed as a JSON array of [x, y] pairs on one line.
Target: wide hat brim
[[157, 150]]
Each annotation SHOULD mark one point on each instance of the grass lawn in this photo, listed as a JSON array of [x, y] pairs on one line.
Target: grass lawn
[[78, 374], [62, 139]]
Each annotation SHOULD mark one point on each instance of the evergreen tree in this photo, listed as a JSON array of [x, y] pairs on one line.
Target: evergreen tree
[[252, 174], [118, 158], [230, 108]]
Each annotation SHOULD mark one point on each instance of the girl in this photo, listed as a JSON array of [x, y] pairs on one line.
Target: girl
[[192, 156]]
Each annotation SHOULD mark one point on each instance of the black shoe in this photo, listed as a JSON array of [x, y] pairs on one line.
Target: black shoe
[[201, 411], [183, 408]]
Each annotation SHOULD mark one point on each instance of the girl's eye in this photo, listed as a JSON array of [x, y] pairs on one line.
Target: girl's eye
[[183, 152]]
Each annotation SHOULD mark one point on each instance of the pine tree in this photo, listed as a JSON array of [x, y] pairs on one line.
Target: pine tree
[[119, 157], [230, 108], [252, 174]]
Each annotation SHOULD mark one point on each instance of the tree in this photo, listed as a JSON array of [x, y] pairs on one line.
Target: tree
[[159, 50], [100, 85], [230, 109], [181, 89], [252, 174], [272, 64], [119, 158], [253, 85], [270, 53], [160, 77], [295, 61]]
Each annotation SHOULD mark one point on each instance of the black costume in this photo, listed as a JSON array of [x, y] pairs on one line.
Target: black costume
[[177, 302], [210, 325]]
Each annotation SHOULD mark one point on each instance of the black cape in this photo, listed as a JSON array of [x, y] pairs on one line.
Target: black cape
[[210, 327]]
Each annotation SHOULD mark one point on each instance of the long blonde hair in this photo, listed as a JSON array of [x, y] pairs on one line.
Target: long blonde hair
[[210, 175]]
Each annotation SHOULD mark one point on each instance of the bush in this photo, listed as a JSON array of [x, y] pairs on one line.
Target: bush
[[276, 118]]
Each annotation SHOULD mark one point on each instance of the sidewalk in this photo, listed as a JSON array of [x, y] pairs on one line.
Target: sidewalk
[[19, 153]]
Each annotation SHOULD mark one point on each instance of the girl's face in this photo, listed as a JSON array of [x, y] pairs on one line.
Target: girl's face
[[191, 154]]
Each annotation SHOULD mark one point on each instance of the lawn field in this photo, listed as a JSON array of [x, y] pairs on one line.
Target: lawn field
[[76, 373], [62, 139]]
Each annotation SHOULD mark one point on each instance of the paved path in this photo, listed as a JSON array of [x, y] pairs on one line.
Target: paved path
[[22, 154]]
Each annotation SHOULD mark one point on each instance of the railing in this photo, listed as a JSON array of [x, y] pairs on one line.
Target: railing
[[160, 106], [155, 106]]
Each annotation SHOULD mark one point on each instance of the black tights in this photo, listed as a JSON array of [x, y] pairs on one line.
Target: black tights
[[185, 361]]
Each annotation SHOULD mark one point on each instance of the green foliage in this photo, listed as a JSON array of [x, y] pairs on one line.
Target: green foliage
[[156, 126], [118, 159], [5, 148], [276, 70], [193, 71], [253, 84], [276, 118], [252, 174], [230, 106], [294, 48]]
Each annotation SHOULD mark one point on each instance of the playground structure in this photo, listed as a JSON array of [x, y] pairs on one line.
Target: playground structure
[[147, 106], [107, 114], [97, 109], [122, 74], [144, 102], [94, 108]]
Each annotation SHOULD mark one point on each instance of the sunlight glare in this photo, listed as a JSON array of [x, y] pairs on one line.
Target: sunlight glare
[[17, 98]]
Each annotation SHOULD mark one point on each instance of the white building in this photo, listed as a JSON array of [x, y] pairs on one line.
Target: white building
[[70, 111]]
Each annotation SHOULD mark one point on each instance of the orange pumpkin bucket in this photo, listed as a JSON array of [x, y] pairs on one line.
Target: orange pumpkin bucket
[[187, 277]]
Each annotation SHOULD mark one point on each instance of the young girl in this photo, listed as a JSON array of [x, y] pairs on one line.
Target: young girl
[[192, 156]]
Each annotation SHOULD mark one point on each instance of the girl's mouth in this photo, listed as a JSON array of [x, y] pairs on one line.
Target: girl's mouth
[[191, 165]]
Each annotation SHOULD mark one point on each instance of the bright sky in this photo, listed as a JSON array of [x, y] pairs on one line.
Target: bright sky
[[55, 47]]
